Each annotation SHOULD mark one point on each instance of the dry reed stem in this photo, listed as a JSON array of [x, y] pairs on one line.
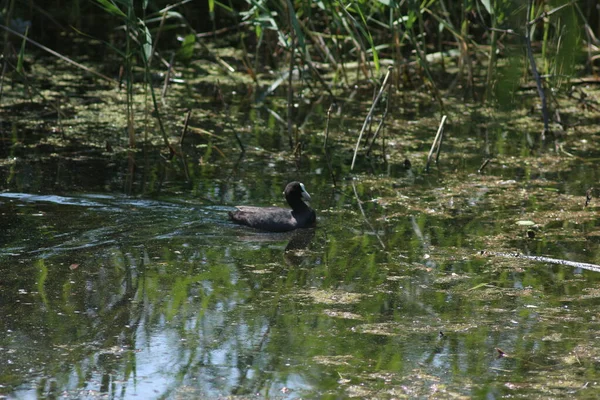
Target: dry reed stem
[[370, 114], [436, 140]]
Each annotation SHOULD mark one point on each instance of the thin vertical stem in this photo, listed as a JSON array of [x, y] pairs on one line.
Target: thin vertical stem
[[534, 71], [436, 140], [7, 19], [290, 102], [369, 115], [492, 58]]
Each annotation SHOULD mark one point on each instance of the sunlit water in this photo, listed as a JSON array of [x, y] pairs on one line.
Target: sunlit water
[[164, 297], [122, 277]]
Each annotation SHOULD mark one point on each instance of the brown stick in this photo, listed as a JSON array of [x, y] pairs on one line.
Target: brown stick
[[329, 111], [163, 93], [435, 141], [54, 53], [575, 264], [547, 14], [186, 123], [222, 30], [157, 37], [485, 163], [439, 146], [381, 123], [370, 114], [588, 196]]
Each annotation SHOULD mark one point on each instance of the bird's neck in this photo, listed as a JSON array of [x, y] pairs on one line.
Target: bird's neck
[[298, 205]]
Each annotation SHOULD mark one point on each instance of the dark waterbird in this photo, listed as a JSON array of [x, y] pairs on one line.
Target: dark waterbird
[[277, 219]]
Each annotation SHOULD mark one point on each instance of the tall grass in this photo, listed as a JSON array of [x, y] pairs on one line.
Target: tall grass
[[473, 46], [419, 38]]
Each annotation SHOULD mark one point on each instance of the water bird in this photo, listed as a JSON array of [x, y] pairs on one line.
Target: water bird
[[278, 219]]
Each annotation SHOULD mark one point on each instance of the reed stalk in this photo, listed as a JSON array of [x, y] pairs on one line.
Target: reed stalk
[[370, 114], [437, 142]]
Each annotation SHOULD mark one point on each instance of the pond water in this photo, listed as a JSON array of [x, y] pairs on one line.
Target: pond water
[[123, 278]]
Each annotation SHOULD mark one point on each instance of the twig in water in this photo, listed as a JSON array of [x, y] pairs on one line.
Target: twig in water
[[377, 98], [54, 53], [298, 148], [277, 117], [536, 74], [575, 264], [436, 140], [155, 104], [485, 163], [186, 123], [163, 94], [239, 141], [219, 97], [228, 68], [546, 14], [157, 36], [365, 217], [504, 31], [5, 52], [588, 196], [381, 123], [329, 111], [439, 146], [4, 66], [237, 137], [330, 169], [221, 31]]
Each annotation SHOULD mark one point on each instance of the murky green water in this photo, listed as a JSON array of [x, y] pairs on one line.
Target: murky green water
[[121, 278], [163, 297]]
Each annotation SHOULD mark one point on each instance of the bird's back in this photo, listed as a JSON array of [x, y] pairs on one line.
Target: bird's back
[[275, 219]]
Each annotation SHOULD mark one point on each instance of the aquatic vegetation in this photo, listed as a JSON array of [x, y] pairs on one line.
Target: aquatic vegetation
[[121, 273]]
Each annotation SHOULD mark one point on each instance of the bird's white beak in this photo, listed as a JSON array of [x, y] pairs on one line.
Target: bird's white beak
[[305, 194]]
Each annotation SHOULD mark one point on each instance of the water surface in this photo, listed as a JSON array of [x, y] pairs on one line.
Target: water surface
[[121, 277]]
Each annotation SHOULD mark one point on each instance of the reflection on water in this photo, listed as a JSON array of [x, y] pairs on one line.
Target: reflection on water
[[104, 295], [160, 296]]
